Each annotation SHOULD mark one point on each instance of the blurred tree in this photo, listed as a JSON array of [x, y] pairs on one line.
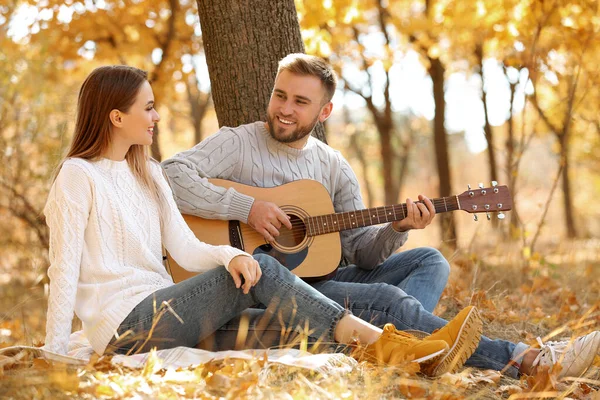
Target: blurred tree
[[32, 121], [199, 103], [157, 36], [243, 42], [566, 56], [339, 32], [341, 29]]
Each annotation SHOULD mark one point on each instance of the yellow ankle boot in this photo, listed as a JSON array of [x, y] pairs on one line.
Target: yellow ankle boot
[[462, 335]]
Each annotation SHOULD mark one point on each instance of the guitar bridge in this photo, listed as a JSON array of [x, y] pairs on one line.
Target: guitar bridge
[[235, 235]]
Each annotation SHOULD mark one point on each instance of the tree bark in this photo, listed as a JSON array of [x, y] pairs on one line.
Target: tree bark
[[199, 103], [436, 71], [360, 154], [511, 169], [563, 137], [157, 77], [383, 119], [487, 127], [567, 193], [244, 41], [564, 140], [385, 127]]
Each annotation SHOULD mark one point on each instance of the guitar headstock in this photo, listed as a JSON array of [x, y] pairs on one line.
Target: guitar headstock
[[486, 199]]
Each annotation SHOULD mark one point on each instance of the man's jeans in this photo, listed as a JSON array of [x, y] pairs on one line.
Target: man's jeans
[[403, 291], [421, 273], [198, 306]]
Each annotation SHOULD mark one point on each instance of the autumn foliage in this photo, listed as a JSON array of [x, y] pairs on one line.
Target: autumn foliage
[[531, 66]]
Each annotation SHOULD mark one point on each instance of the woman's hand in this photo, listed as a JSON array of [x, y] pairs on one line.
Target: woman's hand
[[247, 267]]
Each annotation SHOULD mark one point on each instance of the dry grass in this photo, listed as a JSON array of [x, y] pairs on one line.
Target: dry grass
[[555, 295]]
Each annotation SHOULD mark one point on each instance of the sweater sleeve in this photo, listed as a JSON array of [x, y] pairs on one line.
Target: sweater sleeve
[[189, 171], [180, 241], [366, 247], [67, 211]]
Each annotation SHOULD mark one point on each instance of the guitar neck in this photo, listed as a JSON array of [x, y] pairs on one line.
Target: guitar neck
[[328, 223]]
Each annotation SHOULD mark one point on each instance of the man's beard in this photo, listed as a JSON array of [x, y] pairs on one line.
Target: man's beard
[[299, 133]]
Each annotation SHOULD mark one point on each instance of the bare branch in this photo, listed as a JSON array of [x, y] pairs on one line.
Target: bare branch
[[165, 45], [27, 213], [555, 129], [546, 208]]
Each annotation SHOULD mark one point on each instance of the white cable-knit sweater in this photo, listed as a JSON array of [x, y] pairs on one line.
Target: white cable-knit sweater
[[106, 248]]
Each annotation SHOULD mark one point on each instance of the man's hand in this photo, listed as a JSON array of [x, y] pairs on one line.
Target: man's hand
[[418, 215], [266, 218], [247, 267]]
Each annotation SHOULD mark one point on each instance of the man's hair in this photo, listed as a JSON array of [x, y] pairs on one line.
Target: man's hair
[[303, 64]]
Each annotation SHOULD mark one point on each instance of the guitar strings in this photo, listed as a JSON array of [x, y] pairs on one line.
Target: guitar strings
[[378, 210], [299, 226]]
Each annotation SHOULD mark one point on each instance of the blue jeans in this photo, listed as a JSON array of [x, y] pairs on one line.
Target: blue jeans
[[421, 273], [403, 291], [198, 306]]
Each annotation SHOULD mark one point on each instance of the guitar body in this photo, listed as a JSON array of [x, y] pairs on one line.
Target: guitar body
[[309, 257]]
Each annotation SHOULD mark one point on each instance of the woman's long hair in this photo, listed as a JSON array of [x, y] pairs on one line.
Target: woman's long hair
[[105, 89]]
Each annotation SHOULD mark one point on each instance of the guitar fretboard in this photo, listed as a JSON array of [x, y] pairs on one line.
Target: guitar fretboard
[[328, 223]]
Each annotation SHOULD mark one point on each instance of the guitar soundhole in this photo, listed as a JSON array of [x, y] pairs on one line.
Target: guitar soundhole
[[292, 238]]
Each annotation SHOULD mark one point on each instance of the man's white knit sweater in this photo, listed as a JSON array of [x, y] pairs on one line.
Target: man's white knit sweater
[[247, 154], [106, 248]]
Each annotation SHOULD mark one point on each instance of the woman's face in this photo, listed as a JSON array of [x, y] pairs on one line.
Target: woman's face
[[138, 123]]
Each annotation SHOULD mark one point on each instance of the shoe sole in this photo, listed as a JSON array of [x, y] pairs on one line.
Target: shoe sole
[[468, 339], [431, 358]]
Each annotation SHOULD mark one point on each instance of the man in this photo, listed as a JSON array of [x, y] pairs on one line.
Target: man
[[379, 286]]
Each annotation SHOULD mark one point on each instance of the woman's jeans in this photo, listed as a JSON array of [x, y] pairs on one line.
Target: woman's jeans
[[403, 290], [188, 312]]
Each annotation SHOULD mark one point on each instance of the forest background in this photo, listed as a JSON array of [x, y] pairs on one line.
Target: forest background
[[433, 95]]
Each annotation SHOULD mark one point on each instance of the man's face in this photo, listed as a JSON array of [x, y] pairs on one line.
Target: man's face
[[295, 108]]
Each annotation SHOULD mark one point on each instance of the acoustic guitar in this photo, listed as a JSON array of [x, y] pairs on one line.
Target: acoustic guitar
[[312, 248]]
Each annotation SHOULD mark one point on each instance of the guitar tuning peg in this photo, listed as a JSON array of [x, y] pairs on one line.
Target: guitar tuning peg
[[480, 185], [475, 218], [468, 186], [494, 183], [500, 216], [487, 214]]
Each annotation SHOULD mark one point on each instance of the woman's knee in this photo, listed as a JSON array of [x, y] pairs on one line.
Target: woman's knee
[[268, 263]]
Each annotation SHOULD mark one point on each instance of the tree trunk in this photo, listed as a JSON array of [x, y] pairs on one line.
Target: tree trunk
[[388, 157], [243, 41], [199, 104], [566, 188], [385, 126], [155, 148], [564, 140], [357, 148], [510, 159], [436, 71], [157, 77], [562, 136], [487, 128]]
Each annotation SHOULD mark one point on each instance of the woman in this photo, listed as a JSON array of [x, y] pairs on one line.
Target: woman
[[110, 211]]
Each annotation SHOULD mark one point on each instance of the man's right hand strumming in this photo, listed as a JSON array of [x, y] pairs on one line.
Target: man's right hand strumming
[[266, 218]]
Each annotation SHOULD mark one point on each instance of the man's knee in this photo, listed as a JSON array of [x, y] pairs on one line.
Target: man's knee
[[427, 258], [437, 259]]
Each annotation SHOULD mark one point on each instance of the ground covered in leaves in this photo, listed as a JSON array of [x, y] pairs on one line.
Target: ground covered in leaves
[[521, 296]]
